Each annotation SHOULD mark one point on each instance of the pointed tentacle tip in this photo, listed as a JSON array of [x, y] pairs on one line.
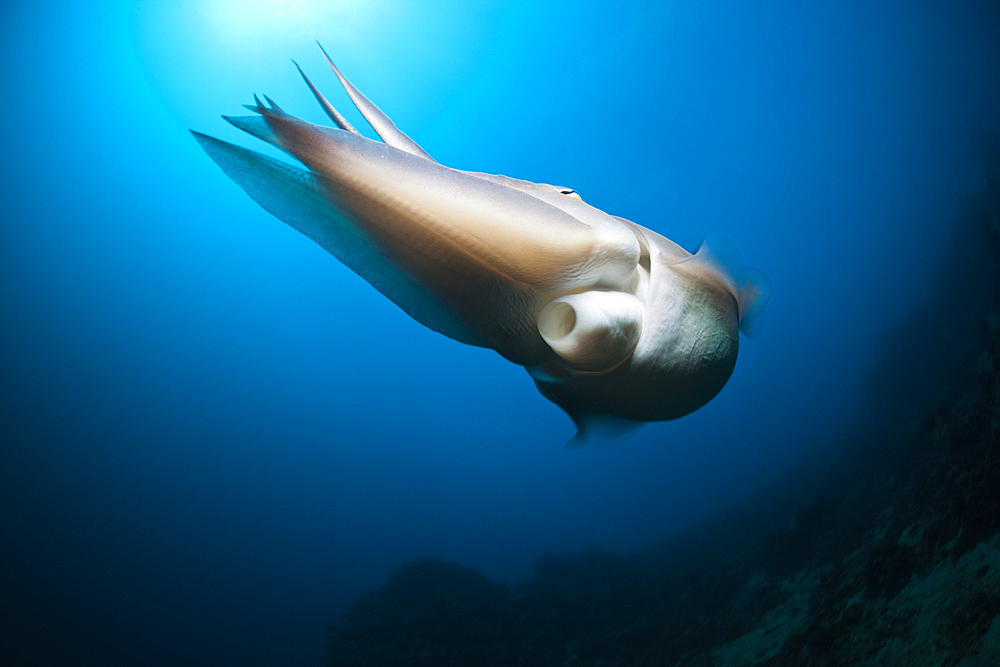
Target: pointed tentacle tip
[[327, 56], [271, 109], [305, 78]]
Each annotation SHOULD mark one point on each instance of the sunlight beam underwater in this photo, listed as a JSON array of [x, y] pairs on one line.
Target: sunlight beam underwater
[[616, 324]]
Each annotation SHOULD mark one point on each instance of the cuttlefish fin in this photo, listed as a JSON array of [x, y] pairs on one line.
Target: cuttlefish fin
[[750, 286], [593, 429], [301, 199], [381, 123], [602, 431]]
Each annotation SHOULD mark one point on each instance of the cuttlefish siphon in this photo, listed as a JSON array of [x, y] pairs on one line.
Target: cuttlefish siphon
[[615, 323]]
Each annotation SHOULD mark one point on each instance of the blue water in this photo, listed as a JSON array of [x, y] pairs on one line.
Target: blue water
[[216, 436]]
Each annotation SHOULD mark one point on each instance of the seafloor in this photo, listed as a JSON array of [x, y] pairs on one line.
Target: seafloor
[[883, 551]]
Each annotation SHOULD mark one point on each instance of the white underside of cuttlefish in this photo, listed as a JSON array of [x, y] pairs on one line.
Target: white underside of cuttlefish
[[615, 323]]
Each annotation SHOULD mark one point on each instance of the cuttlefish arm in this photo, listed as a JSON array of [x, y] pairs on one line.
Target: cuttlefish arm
[[465, 256], [615, 323]]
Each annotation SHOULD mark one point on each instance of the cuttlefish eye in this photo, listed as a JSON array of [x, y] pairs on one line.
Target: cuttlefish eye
[[570, 193]]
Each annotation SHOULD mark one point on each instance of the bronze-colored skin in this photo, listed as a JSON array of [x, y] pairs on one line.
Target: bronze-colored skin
[[616, 324]]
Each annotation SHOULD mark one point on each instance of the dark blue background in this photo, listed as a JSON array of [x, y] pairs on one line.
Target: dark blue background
[[215, 436]]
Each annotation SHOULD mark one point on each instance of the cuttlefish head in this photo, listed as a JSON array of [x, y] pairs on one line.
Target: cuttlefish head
[[683, 324], [616, 324]]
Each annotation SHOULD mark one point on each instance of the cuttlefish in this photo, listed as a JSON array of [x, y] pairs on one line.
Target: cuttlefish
[[615, 323]]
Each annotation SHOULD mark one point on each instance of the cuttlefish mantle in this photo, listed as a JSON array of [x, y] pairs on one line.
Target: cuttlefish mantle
[[615, 323]]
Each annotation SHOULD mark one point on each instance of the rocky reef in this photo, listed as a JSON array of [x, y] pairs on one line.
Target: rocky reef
[[886, 552]]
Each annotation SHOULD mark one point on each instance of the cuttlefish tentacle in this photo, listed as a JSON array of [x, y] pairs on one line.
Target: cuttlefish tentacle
[[616, 324], [381, 123], [334, 115]]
